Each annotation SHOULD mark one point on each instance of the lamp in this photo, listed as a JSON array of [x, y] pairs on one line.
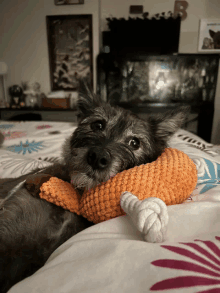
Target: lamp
[[3, 95], [160, 80]]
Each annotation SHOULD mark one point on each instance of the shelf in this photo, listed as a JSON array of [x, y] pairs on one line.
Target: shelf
[[37, 109]]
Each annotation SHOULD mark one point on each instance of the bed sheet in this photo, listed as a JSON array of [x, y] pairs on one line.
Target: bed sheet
[[112, 256], [29, 145]]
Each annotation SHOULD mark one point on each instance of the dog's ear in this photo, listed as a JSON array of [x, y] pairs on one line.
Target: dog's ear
[[212, 33], [167, 124], [87, 100]]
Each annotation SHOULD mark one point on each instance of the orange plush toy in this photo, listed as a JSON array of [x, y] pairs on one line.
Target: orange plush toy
[[171, 178]]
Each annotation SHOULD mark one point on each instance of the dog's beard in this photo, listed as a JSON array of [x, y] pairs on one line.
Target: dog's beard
[[92, 178], [82, 181], [83, 176]]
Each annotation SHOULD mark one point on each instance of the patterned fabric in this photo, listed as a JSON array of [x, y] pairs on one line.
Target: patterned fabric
[[207, 266], [207, 158], [187, 262], [43, 126], [31, 145], [208, 174], [26, 147], [193, 145], [6, 126], [13, 134]]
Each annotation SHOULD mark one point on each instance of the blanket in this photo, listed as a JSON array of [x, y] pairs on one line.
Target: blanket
[[112, 256]]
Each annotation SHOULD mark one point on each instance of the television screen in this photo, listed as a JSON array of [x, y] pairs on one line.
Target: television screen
[[163, 79]]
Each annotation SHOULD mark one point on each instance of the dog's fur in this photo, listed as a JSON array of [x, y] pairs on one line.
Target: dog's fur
[[216, 38], [107, 141], [207, 44]]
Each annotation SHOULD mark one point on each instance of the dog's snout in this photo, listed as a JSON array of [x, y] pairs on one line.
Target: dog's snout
[[98, 158]]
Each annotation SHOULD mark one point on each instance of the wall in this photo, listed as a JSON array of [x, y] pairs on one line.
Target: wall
[[24, 39], [197, 9]]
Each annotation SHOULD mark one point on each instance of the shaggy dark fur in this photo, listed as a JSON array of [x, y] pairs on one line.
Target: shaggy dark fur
[[107, 141], [216, 38]]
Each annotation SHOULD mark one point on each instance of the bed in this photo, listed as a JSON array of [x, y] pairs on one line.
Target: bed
[[112, 256]]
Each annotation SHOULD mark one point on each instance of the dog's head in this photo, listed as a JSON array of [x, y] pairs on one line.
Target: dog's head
[[207, 43], [216, 38], [109, 140]]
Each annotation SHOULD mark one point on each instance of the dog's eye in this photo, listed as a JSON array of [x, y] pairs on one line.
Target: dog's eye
[[134, 143], [98, 125]]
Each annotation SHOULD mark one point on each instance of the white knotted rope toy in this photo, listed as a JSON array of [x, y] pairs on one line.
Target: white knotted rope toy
[[150, 215]]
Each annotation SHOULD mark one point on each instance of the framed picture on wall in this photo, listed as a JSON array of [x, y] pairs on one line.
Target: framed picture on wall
[[68, 2], [209, 36], [70, 51]]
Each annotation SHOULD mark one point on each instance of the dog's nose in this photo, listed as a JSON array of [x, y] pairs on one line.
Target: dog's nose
[[98, 158]]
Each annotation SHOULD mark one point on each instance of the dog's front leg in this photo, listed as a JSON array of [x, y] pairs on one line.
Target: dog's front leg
[[34, 182], [56, 170], [150, 215], [38, 177]]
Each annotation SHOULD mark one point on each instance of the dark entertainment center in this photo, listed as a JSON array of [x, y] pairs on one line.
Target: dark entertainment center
[[140, 69]]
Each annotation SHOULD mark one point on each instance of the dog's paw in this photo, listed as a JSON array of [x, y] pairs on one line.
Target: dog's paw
[[34, 181], [150, 215]]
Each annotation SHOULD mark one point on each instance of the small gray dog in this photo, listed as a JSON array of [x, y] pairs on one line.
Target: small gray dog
[[107, 140]]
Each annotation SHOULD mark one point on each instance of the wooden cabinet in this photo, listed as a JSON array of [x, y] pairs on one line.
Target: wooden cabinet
[[33, 115]]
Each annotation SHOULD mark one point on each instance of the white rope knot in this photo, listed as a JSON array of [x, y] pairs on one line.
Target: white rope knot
[[150, 215]]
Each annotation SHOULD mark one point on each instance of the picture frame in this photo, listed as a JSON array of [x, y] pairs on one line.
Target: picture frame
[[209, 36], [68, 2], [70, 51]]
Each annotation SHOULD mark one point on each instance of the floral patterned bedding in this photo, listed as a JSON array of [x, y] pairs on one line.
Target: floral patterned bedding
[[112, 256], [29, 145]]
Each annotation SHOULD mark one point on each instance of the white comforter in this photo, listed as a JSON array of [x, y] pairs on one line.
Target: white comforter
[[112, 256]]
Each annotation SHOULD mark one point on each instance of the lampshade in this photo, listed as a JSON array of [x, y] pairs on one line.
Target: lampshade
[[3, 94], [3, 68]]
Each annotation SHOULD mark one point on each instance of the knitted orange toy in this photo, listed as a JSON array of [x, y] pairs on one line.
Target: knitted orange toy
[[172, 178]]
